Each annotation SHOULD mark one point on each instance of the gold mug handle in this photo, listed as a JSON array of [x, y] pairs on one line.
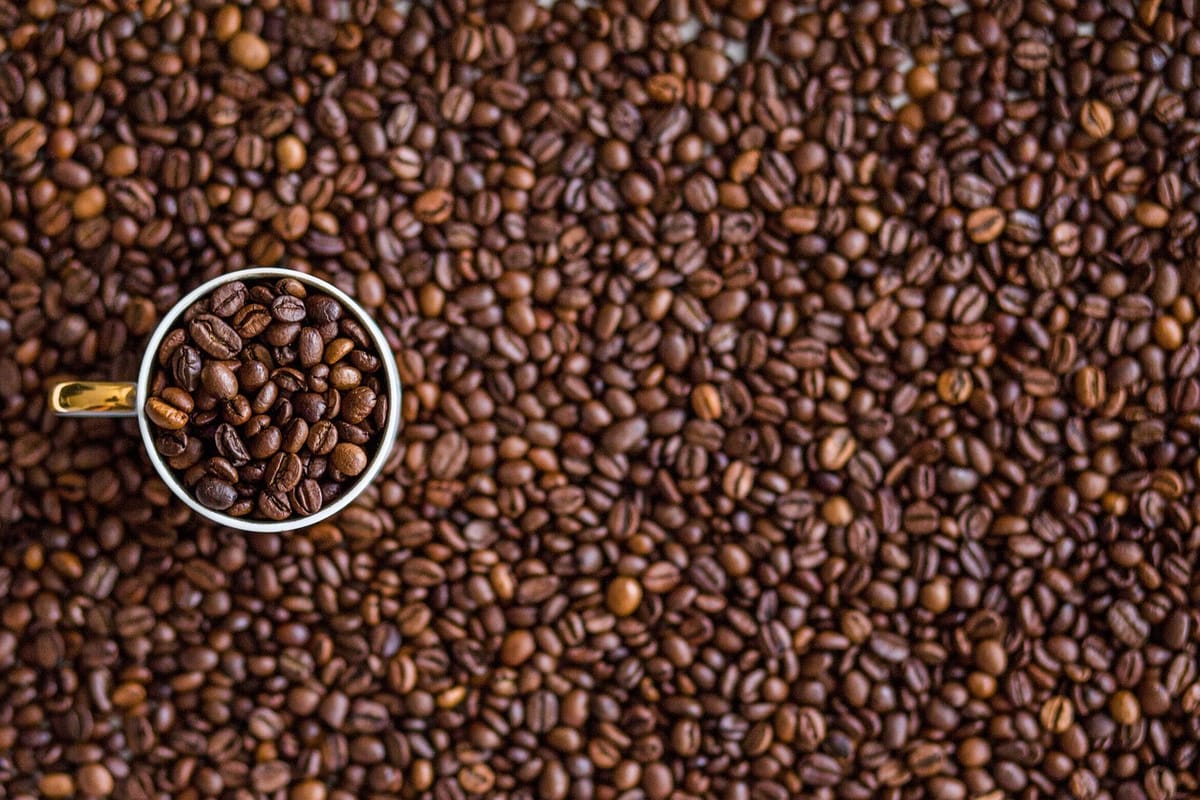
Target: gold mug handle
[[94, 398]]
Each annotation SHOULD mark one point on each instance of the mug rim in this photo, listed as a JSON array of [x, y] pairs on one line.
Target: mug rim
[[390, 429]]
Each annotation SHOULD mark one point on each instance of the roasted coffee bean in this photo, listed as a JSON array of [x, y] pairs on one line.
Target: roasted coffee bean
[[985, 224], [322, 437], [1032, 55], [661, 577], [1127, 624], [309, 347], [186, 366], [273, 506], [306, 497], [266, 442], [284, 472], [215, 493], [281, 335], [1090, 387], [171, 443], [211, 335], [624, 596], [219, 380], [230, 445], [349, 459], [251, 320], [1096, 119], [1057, 714], [295, 436], [310, 406], [228, 298], [357, 404], [287, 308], [166, 416]]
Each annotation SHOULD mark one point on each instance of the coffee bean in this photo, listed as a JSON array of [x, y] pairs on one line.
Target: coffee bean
[[433, 206], [661, 577], [624, 596], [230, 445], [270, 776], [322, 308], [808, 727], [625, 435], [706, 401], [284, 472], [228, 298], [1127, 624], [186, 367], [219, 380], [281, 334], [1045, 269], [215, 493], [738, 480], [309, 406], [23, 138], [266, 443], [274, 506], [171, 443], [422, 572], [517, 647], [322, 437], [1032, 55], [249, 50], [358, 404], [1090, 389], [1125, 708], [837, 449], [954, 386], [1096, 119], [56, 784], [449, 456], [309, 347], [926, 760], [306, 498], [251, 320], [214, 337], [476, 779], [165, 415], [820, 770], [349, 459], [1057, 714], [95, 779], [974, 191], [287, 308], [985, 224]]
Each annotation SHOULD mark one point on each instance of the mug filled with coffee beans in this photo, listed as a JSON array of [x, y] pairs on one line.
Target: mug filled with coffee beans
[[267, 399]]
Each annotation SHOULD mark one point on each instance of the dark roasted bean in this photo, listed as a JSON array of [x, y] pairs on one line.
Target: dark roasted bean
[[211, 335]]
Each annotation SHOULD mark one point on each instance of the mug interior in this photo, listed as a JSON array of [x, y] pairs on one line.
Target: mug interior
[[378, 458]]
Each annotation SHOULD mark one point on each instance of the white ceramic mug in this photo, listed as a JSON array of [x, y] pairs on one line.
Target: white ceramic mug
[[121, 399]]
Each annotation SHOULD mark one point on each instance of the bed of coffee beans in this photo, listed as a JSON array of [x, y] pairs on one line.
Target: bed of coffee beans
[[801, 399], [268, 401]]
